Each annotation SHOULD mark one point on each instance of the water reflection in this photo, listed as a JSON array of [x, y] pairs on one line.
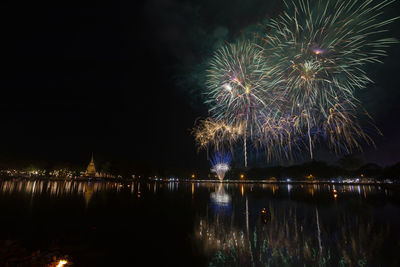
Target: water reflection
[[287, 233], [58, 187], [249, 224], [220, 198], [88, 193], [86, 189]]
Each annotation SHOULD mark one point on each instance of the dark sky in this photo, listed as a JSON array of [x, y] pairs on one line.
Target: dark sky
[[116, 78]]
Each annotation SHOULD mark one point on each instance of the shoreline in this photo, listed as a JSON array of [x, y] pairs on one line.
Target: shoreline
[[88, 179], [263, 182]]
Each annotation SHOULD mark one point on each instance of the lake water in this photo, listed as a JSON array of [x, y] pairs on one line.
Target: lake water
[[204, 224]]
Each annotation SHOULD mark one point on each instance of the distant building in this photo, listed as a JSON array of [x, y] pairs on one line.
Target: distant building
[[91, 169]]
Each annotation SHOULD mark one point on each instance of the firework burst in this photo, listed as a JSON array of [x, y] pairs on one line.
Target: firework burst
[[296, 86], [220, 164], [219, 135], [321, 49], [239, 88], [236, 85]]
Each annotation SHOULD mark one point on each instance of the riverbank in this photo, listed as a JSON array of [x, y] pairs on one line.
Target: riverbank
[[176, 180], [387, 185]]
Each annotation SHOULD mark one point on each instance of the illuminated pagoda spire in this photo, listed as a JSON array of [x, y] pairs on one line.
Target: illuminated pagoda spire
[[91, 169]]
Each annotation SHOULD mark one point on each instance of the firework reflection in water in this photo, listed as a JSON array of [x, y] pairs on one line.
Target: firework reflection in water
[[220, 198]]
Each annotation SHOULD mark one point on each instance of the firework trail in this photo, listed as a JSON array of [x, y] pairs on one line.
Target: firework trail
[[279, 138], [219, 135], [296, 86], [239, 88], [321, 49]]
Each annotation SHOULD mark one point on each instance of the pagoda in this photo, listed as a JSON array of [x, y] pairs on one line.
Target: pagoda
[[91, 169]]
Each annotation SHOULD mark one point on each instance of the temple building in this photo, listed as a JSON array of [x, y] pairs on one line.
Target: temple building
[[91, 169]]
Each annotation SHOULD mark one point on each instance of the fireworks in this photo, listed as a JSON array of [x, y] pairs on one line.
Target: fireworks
[[343, 131], [210, 133], [239, 83], [220, 165], [296, 86], [321, 47], [238, 86], [278, 137]]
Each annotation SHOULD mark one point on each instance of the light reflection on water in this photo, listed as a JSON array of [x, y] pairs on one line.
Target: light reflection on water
[[294, 235], [298, 232], [71, 187], [330, 225], [59, 188]]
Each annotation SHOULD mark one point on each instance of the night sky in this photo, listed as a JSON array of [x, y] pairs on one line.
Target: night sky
[[118, 78]]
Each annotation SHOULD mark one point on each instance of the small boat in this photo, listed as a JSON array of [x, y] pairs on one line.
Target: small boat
[[265, 216]]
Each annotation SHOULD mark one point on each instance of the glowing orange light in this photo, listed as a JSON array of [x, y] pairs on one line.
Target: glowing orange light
[[310, 176], [193, 176], [61, 263], [242, 176], [264, 211]]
